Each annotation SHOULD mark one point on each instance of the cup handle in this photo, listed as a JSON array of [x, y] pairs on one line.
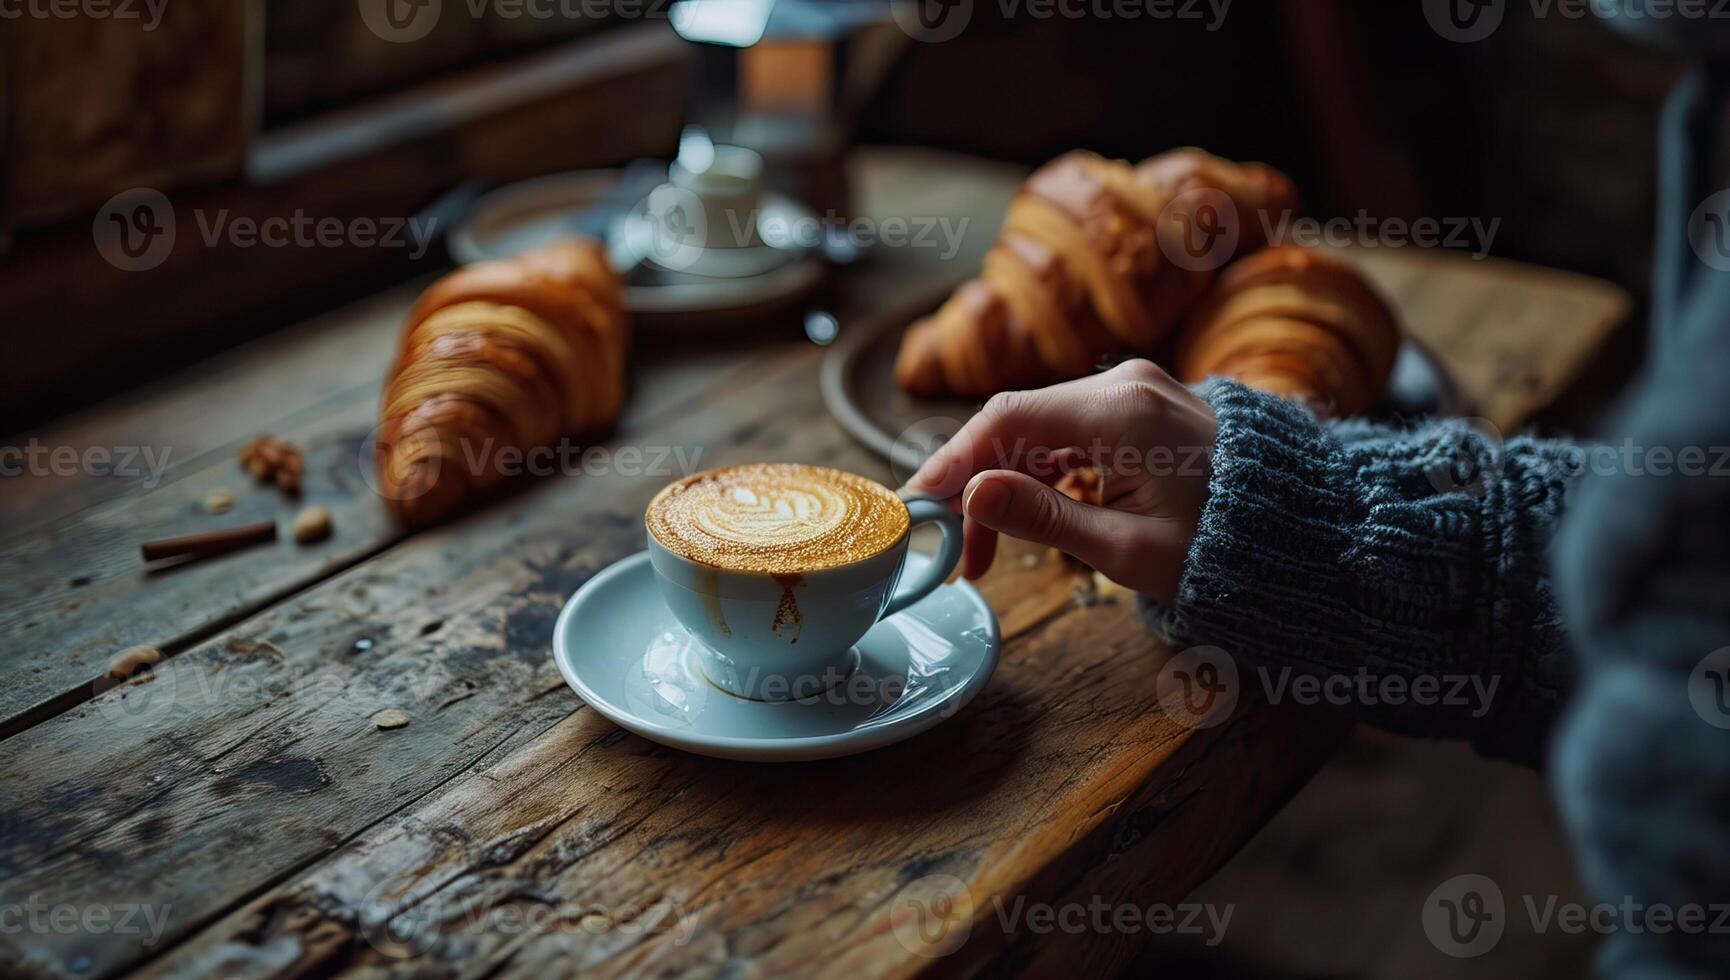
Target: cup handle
[[924, 510]]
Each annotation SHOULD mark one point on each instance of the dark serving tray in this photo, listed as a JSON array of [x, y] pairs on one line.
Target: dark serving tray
[[858, 384]]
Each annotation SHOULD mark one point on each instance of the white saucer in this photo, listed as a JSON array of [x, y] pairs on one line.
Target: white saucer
[[624, 653]]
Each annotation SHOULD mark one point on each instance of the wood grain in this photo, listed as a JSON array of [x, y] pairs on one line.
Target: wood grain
[[72, 595], [263, 735], [323, 380], [587, 851], [261, 386], [243, 791]]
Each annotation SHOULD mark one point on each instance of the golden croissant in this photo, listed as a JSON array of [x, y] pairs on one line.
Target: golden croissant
[[506, 355], [1298, 323], [1095, 258]]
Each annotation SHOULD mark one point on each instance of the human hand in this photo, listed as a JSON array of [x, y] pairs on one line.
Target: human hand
[[1149, 437]]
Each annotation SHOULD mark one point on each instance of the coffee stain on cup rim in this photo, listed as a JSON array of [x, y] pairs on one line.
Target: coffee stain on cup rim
[[787, 615]]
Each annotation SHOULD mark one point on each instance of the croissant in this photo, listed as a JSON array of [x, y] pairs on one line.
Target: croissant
[[1084, 268], [1298, 323], [502, 355]]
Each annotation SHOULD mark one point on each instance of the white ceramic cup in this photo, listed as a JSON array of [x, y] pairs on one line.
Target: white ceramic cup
[[782, 638], [728, 189]]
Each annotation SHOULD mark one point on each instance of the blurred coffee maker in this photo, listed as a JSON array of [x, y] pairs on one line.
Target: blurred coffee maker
[[788, 79]]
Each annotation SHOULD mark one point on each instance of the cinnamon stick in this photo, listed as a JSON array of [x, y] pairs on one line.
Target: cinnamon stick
[[208, 543]]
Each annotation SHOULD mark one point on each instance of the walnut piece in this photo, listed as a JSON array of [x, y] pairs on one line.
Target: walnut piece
[[272, 460]]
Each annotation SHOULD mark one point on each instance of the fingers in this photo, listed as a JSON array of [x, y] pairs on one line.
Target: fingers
[[978, 549], [1142, 553], [1023, 430], [979, 543]]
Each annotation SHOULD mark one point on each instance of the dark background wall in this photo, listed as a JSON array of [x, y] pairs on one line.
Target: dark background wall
[[1548, 124], [1545, 127]]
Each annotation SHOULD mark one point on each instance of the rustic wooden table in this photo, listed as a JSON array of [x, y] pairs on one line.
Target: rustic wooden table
[[236, 810]]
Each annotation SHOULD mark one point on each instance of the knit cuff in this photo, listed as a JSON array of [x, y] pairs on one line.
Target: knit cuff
[[1360, 553], [1271, 534]]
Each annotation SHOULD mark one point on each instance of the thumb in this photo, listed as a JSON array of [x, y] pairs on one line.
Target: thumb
[[1134, 550]]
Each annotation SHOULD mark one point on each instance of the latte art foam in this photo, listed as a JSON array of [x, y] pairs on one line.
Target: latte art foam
[[776, 518]]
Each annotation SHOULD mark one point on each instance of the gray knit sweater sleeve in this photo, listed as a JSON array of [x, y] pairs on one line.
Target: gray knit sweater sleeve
[[1406, 567]]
